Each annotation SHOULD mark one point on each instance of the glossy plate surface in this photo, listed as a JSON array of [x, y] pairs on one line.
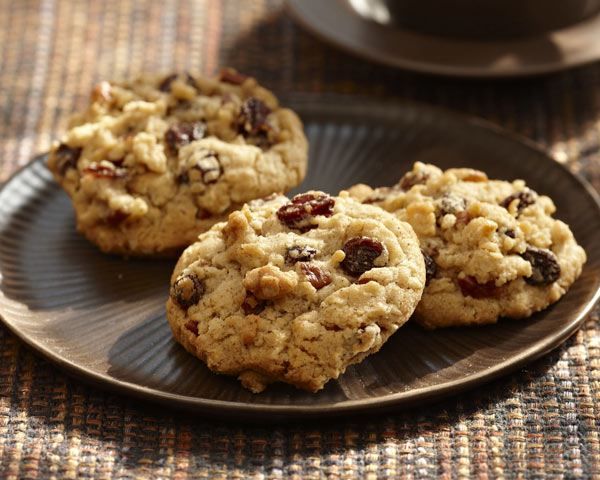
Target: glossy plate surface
[[103, 319], [338, 22]]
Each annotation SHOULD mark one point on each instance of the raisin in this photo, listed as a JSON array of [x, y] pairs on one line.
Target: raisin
[[360, 252], [430, 267], [66, 158], [509, 232], [333, 328], [210, 167], [183, 178], [192, 326], [452, 204], [317, 277], [165, 85], [202, 214], [229, 75], [207, 169], [544, 266], [411, 179], [187, 290], [116, 218], [252, 305], [525, 197], [190, 80], [253, 117], [299, 253], [298, 213], [181, 134], [471, 288], [104, 171]]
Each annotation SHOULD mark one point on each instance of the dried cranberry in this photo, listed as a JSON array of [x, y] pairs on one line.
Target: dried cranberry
[[192, 326], [525, 197], [544, 266], [299, 253], [411, 179], [298, 213], [229, 75], [253, 117], [181, 134], [187, 290], [66, 157], [104, 171], [430, 267], [470, 288], [252, 305], [360, 252], [317, 277]]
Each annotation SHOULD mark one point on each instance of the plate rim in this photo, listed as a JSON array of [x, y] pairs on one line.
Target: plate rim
[[397, 400], [298, 10]]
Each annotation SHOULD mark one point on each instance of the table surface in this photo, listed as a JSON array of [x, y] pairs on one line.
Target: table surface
[[541, 421]]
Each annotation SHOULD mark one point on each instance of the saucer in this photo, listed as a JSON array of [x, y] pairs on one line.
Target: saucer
[[338, 22]]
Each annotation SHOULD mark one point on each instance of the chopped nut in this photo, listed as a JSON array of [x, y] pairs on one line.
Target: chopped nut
[[269, 282]]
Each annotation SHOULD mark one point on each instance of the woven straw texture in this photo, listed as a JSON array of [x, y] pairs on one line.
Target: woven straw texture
[[543, 421]]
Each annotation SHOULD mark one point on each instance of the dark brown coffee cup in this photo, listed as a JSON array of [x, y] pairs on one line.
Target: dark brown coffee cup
[[489, 18]]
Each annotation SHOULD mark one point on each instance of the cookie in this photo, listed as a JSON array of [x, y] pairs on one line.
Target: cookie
[[295, 291], [154, 162], [492, 248]]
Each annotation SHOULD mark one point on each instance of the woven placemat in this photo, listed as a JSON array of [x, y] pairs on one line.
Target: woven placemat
[[541, 421]]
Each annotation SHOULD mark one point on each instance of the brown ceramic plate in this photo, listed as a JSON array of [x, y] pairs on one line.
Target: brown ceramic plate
[[103, 318], [338, 22]]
